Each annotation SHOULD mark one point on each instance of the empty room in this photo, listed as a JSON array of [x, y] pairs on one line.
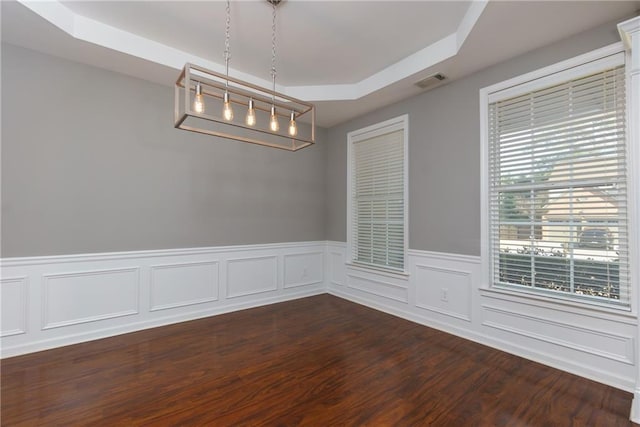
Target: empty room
[[320, 213]]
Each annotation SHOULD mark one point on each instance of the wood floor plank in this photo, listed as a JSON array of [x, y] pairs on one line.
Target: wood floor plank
[[318, 361]]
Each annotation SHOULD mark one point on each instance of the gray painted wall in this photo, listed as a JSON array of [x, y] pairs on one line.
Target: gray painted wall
[[91, 163], [444, 151]]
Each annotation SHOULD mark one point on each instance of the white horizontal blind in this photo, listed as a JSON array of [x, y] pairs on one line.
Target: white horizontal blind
[[558, 189], [378, 200]]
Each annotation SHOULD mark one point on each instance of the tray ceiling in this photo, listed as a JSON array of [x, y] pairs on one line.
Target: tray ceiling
[[349, 57]]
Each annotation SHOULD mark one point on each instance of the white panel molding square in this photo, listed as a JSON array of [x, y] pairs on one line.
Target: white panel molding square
[[444, 291], [378, 287], [303, 269], [88, 296], [337, 270], [13, 293], [179, 285], [586, 340], [253, 275]]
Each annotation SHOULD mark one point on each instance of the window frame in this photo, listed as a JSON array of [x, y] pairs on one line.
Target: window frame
[[381, 128], [554, 74]]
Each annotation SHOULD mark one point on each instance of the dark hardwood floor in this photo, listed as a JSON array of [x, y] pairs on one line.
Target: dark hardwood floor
[[318, 361]]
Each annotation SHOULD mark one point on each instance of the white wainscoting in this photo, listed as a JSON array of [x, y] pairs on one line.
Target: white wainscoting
[[587, 340], [251, 275], [389, 289], [443, 291], [336, 264], [53, 301], [303, 269], [178, 285], [14, 306], [104, 294]]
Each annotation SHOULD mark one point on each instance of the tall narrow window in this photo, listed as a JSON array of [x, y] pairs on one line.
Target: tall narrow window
[[378, 194], [557, 184]]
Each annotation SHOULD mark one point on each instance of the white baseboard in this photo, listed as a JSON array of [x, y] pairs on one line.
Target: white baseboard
[[99, 333], [635, 406]]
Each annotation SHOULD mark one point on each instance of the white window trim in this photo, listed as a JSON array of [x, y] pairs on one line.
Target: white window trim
[[391, 125], [579, 64]]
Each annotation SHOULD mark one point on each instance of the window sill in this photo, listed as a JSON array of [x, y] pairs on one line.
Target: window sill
[[395, 274], [586, 308]]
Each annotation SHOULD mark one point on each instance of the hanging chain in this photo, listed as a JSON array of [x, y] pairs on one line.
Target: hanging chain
[[273, 49], [227, 46]]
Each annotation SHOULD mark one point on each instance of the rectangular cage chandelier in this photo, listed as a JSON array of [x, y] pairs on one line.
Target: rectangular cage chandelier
[[200, 96], [205, 103]]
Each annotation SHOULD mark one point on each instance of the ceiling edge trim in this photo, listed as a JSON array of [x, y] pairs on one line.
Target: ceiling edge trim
[[469, 20], [98, 33]]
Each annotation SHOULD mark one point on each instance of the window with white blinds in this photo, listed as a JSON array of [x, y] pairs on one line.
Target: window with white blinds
[[557, 178], [377, 181]]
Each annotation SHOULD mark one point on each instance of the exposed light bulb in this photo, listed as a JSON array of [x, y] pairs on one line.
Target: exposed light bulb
[[293, 128], [227, 111], [198, 102], [251, 114], [273, 121]]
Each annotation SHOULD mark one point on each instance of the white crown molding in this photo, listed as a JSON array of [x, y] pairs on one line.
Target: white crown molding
[[627, 29], [469, 20], [98, 33]]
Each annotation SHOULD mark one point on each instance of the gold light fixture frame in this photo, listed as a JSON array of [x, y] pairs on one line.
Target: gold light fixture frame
[[210, 121]]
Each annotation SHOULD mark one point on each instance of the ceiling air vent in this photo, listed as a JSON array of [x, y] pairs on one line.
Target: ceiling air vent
[[431, 81]]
